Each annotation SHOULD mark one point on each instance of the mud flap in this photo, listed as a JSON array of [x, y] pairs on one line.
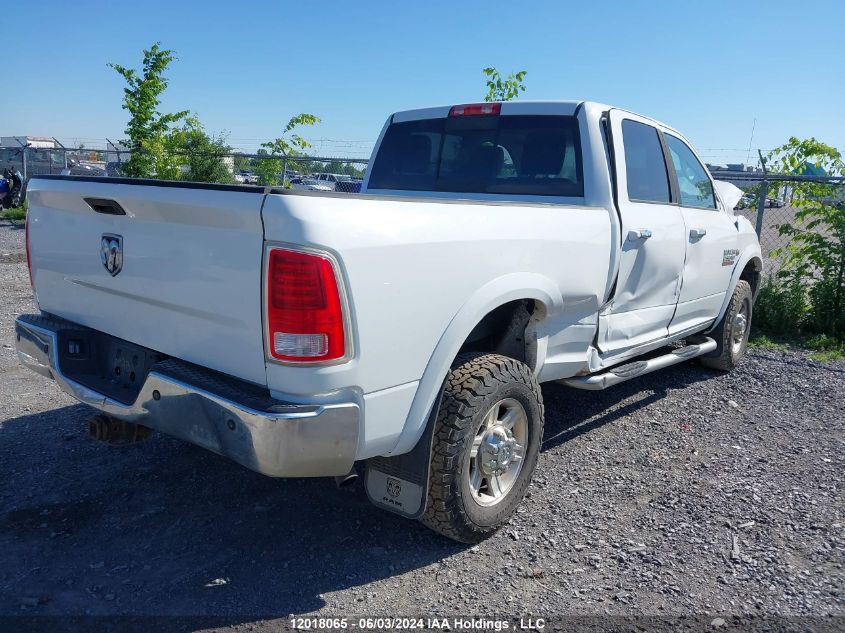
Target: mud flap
[[400, 483]]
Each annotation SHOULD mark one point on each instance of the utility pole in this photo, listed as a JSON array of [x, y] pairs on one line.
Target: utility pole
[[750, 141]]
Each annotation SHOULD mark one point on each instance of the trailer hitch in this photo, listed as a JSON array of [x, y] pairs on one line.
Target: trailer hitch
[[117, 432]]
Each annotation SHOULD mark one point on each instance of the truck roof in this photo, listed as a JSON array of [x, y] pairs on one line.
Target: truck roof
[[508, 107], [562, 107]]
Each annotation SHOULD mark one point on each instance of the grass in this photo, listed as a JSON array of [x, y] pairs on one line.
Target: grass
[[17, 214], [761, 341], [821, 348], [825, 348], [828, 356]]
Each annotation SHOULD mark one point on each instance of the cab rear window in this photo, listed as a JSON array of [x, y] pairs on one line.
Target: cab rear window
[[516, 155]]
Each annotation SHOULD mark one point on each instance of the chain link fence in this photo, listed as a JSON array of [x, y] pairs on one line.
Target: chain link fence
[[302, 172], [769, 201], [772, 200]]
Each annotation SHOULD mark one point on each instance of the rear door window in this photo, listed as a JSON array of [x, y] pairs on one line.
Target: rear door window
[[648, 180], [517, 155]]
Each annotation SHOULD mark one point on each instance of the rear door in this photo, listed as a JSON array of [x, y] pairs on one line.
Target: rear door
[[711, 239], [653, 238], [172, 268]]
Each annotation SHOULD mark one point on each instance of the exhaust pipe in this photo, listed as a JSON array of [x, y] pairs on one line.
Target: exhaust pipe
[[344, 481]]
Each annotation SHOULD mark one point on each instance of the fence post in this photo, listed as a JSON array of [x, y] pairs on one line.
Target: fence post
[[64, 155], [761, 206], [761, 199], [23, 161]]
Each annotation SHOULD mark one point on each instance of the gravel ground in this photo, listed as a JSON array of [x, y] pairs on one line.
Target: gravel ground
[[12, 248], [683, 492]]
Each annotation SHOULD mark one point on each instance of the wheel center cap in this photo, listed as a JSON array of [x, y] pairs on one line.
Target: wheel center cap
[[740, 323], [496, 451]]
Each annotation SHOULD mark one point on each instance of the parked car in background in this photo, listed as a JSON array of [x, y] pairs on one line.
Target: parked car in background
[[45, 161], [331, 180], [495, 246], [247, 177], [748, 201], [80, 168], [353, 185], [774, 203], [308, 184], [114, 168]]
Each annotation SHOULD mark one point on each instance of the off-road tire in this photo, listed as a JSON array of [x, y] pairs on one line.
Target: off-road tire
[[725, 357], [475, 383]]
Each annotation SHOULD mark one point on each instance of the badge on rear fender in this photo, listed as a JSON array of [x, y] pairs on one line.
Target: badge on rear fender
[[729, 256]]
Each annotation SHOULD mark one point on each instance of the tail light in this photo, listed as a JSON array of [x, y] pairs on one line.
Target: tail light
[[476, 109], [28, 258], [305, 320]]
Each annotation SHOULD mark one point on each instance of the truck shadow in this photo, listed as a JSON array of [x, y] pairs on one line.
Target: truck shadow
[[573, 412], [15, 225], [165, 528]]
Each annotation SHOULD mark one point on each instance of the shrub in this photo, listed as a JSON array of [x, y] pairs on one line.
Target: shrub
[[781, 307], [809, 290]]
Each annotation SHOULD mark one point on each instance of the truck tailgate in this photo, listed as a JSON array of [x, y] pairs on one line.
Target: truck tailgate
[[190, 282]]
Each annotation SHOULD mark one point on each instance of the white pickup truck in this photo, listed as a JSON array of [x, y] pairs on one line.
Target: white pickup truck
[[494, 247]]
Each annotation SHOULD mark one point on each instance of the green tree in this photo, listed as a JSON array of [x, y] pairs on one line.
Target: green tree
[[198, 156], [147, 126], [242, 162], [286, 146], [503, 89], [343, 167], [315, 167], [812, 276]]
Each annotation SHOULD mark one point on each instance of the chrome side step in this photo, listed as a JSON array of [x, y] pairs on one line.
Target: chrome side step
[[597, 382]]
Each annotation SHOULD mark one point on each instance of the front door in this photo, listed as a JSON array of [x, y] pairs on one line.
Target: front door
[[653, 239], [711, 240]]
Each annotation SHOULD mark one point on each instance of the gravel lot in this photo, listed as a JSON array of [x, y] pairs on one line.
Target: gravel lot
[[683, 492]]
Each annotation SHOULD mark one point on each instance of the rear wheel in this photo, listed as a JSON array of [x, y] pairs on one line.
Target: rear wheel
[[486, 445], [732, 332]]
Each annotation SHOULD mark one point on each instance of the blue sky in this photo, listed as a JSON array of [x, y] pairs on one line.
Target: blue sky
[[707, 68]]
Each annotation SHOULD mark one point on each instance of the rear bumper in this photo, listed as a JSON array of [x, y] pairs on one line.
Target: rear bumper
[[269, 436]]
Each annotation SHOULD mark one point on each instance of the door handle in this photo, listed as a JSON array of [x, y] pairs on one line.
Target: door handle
[[639, 234], [697, 234], [106, 206]]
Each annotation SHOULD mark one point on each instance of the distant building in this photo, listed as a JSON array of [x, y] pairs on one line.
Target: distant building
[[41, 142]]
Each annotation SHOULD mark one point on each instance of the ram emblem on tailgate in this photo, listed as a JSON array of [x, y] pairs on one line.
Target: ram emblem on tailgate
[[111, 253]]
